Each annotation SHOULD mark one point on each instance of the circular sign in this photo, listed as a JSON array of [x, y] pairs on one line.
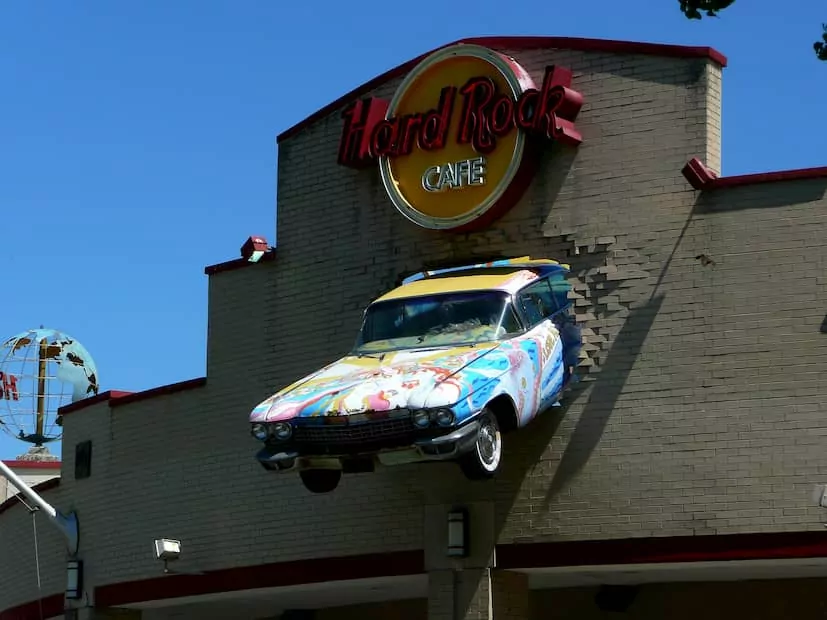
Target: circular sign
[[454, 124]]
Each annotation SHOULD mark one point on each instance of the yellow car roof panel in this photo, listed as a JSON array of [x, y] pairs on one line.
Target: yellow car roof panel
[[509, 282]]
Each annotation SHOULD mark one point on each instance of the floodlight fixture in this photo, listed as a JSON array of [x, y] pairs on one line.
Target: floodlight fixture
[[254, 248]]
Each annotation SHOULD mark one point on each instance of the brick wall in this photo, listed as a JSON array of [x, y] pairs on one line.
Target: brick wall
[[699, 411], [18, 568]]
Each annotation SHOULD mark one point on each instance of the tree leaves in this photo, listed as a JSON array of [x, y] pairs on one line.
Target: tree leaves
[[820, 47], [694, 9]]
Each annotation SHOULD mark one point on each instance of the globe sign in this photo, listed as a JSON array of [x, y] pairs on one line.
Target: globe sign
[[42, 370]]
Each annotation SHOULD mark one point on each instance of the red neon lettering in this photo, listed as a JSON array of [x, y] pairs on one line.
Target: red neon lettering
[[475, 119], [361, 118], [8, 387], [485, 115], [558, 108], [435, 124]]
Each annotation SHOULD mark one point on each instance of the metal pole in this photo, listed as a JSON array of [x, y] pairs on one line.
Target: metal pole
[[41, 389], [67, 524]]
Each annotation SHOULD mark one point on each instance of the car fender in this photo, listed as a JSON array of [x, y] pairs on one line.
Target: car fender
[[477, 389], [521, 365]]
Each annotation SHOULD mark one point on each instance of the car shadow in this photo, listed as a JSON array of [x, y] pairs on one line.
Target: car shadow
[[602, 400]]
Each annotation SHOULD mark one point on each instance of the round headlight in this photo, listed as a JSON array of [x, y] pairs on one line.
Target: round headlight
[[282, 430], [445, 417], [422, 418], [259, 431]]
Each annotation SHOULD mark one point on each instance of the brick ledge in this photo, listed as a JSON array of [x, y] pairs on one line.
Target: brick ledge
[[116, 398], [702, 178]]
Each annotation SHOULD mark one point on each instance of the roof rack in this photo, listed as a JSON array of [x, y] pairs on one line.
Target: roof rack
[[542, 265]]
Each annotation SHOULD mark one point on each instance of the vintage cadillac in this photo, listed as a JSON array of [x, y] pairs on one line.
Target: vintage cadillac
[[443, 366]]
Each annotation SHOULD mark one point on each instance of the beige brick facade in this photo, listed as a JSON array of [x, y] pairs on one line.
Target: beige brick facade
[[700, 413]]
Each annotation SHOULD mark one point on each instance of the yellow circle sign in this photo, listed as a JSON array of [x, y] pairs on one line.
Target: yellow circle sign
[[451, 142]]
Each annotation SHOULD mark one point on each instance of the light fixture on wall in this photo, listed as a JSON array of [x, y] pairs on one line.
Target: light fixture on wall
[[458, 533], [167, 550], [254, 248], [74, 579]]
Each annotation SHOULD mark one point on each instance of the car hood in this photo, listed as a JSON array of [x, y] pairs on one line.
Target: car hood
[[381, 382]]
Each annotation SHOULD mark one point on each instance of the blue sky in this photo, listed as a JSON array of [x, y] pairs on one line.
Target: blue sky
[[138, 139]]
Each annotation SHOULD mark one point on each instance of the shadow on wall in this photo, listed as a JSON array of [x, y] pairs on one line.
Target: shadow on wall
[[622, 354], [614, 360], [757, 196], [601, 402], [625, 346], [559, 160]]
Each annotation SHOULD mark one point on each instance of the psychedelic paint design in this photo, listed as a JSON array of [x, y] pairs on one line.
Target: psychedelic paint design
[[440, 363], [529, 369]]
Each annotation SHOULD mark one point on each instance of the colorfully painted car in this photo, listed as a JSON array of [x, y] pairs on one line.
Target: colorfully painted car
[[443, 366]]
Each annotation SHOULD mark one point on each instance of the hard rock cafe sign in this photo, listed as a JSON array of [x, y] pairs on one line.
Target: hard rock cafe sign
[[454, 144]]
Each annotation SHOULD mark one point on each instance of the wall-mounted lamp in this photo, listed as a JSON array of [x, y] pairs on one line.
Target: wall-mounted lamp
[[820, 495], [167, 550], [74, 579], [254, 248], [458, 533]]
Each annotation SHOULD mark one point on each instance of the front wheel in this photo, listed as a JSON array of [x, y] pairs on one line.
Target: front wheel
[[483, 461], [320, 480]]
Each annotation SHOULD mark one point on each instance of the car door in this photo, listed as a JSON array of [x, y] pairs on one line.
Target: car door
[[538, 305]]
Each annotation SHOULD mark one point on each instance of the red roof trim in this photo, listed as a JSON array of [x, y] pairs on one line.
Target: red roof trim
[[53, 605], [704, 179], [92, 400], [40, 487], [239, 263], [730, 547], [518, 44], [709, 548], [117, 398], [263, 576], [163, 390], [19, 464]]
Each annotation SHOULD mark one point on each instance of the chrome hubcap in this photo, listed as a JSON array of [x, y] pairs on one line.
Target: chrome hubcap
[[488, 446]]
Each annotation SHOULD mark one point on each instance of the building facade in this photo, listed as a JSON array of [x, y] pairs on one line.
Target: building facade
[[677, 480]]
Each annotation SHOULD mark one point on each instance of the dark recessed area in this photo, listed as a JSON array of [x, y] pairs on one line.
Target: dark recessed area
[[83, 460]]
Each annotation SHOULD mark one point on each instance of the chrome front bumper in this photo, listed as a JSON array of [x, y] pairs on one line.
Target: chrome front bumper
[[440, 448]]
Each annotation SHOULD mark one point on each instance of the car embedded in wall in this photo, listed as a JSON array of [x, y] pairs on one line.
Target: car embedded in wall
[[442, 367]]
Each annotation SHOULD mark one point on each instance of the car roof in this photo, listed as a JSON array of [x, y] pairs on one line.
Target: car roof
[[508, 275]]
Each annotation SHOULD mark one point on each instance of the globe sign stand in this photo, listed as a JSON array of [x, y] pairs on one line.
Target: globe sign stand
[[41, 370]]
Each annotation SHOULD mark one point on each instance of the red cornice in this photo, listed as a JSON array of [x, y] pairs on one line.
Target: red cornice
[[239, 263], [116, 398], [40, 487], [688, 549], [676, 549], [702, 178], [162, 390], [18, 464], [518, 44], [279, 574], [103, 397], [52, 606]]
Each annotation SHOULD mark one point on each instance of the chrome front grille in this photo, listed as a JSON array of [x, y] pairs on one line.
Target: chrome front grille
[[362, 433]]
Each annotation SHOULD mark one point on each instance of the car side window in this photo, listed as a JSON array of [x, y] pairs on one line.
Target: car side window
[[510, 322], [537, 301]]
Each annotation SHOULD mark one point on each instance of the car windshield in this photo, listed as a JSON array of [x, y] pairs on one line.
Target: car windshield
[[450, 319]]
